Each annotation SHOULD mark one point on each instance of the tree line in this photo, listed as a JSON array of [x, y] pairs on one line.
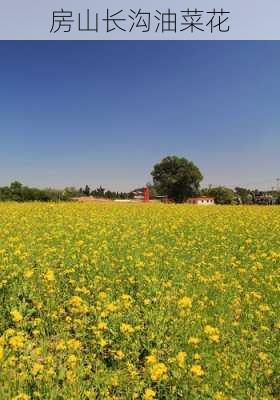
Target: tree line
[[175, 178], [19, 192], [99, 193]]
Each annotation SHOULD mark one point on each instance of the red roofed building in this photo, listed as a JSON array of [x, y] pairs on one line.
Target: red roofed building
[[202, 200]]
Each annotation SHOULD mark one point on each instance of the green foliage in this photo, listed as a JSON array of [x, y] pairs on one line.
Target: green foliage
[[87, 190], [102, 193], [17, 192], [223, 195], [177, 177], [244, 195]]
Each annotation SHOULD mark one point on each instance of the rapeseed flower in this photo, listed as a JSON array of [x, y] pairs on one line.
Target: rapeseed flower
[[185, 302], [16, 315], [197, 370], [158, 372], [149, 394], [181, 358]]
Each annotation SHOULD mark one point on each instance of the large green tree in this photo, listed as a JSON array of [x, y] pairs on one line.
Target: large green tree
[[223, 195], [176, 177], [244, 195]]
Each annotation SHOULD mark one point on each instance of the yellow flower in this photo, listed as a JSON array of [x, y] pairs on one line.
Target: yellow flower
[[78, 305], [49, 276], [149, 394], [158, 372], [21, 396], [74, 344], [264, 307], [263, 356], [102, 295], [197, 370], [126, 298], [18, 341], [181, 358], [61, 345], [102, 342], [220, 396], [28, 273], [37, 368], [102, 326], [185, 302], [114, 380], [111, 307], [194, 341], [16, 315], [214, 338], [126, 328], [71, 359], [119, 355], [71, 376], [151, 359], [210, 330]]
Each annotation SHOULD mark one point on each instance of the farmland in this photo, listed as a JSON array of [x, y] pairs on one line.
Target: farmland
[[110, 301]]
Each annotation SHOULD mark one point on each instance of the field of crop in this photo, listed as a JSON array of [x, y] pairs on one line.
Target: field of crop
[[139, 302]]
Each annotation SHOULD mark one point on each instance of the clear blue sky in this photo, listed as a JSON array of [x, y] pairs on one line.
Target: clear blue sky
[[104, 112]]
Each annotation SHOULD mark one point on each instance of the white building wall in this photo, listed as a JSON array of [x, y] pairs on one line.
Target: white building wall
[[205, 202]]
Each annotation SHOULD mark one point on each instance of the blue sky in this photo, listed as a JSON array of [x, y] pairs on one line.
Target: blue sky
[[104, 112]]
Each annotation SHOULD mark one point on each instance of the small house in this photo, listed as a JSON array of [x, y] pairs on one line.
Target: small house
[[202, 200]]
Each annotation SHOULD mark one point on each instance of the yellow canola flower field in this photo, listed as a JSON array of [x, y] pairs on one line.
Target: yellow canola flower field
[[126, 301]]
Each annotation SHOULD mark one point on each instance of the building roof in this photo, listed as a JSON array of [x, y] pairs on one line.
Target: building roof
[[202, 198], [137, 191]]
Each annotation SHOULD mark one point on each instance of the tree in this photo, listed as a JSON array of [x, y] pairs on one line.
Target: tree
[[244, 195], [223, 195], [70, 192], [16, 191], [177, 178], [100, 191], [87, 190]]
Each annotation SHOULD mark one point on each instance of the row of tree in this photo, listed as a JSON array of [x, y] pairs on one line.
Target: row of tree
[[175, 178], [239, 195], [99, 193], [18, 192]]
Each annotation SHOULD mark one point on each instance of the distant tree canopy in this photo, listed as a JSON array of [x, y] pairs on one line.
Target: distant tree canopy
[[18, 192], [101, 193], [245, 195], [87, 190], [223, 195], [176, 177]]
